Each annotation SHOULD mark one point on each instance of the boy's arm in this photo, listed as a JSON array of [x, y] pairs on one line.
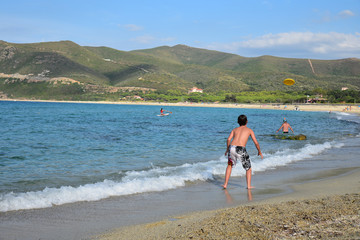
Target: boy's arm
[[291, 128], [280, 127], [229, 141], [257, 145]]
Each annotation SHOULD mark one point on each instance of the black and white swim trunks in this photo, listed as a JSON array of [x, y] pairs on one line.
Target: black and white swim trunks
[[237, 153]]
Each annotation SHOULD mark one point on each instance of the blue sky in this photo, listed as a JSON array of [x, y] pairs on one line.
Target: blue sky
[[317, 29]]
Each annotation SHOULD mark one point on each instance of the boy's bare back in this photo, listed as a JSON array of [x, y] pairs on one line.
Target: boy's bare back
[[240, 136]]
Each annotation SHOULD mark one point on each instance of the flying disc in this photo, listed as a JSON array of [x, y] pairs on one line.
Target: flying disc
[[289, 81]]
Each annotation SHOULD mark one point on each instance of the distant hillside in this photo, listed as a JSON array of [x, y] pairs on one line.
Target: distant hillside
[[164, 68], [266, 72]]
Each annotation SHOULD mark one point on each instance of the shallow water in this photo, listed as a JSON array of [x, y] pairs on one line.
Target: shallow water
[[57, 153]]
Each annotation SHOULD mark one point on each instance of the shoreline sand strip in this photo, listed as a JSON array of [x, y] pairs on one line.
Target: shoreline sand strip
[[323, 209]]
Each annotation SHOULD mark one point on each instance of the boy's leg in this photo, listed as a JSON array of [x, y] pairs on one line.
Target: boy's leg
[[248, 179], [227, 175]]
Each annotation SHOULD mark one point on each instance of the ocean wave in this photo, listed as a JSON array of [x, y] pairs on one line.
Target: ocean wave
[[153, 180], [351, 117], [288, 156], [343, 113]]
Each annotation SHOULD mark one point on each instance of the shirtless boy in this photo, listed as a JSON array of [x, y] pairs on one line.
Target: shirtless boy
[[236, 150], [285, 126]]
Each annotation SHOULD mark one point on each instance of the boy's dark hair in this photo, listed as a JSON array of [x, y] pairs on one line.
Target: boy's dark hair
[[242, 120]]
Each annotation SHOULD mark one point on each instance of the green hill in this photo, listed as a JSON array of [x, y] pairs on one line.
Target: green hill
[[103, 69], [266, 72]]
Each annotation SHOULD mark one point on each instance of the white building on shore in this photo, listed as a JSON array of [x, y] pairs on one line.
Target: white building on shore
[[195, 89]]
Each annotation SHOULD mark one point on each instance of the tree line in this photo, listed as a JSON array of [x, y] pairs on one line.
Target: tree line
[[76, 92]]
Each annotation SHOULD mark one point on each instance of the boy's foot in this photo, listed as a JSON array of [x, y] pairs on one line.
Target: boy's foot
[[251, 187], [224, 186]]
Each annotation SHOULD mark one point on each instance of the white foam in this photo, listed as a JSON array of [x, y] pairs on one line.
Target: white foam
[[351, 117], [288, 156], [343, 113], [153, 180]]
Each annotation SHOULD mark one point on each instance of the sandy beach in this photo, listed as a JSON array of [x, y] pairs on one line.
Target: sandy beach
[[326, 209], [348, 108], [290, 107]]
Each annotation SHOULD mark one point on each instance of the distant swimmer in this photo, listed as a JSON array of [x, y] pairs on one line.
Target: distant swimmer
[[162, 112], [236, 150], [285, 126]]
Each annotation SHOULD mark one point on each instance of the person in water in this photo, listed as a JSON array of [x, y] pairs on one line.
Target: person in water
[[162, 111], [285, 126], [236, 150]]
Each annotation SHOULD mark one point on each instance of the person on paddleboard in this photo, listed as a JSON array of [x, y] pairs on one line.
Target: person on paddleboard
[[162, 112]]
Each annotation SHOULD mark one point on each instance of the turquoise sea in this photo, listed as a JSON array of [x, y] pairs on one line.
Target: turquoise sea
[[59, 153]]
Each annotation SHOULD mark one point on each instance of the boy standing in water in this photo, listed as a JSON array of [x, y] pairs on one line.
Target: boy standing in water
[[236, 150]]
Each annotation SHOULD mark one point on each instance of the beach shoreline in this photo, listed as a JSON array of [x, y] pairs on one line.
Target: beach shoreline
[[120, 216], [348, 108], [338, 195], [327, 208]]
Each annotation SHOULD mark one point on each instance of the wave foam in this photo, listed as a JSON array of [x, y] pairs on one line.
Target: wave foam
[[347, 117], [153, 180]]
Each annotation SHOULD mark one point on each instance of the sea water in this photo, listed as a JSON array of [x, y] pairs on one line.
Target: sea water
[[57, 153]]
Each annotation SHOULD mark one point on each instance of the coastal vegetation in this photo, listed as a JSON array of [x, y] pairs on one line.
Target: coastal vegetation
[[77, 92], [66, 71]]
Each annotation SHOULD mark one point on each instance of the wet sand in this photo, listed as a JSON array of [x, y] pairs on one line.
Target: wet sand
[[321, 210]]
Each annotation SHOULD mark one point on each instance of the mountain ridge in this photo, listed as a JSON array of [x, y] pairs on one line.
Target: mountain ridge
[[179, 67]]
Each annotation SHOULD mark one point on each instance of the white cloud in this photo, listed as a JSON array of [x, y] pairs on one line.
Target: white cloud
[[168, 39], [346, 13], [148, 39], [133, 27], [297, 44], [327, 16]]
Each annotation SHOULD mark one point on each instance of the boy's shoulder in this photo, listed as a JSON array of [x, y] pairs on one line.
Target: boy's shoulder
[[242, 128]]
